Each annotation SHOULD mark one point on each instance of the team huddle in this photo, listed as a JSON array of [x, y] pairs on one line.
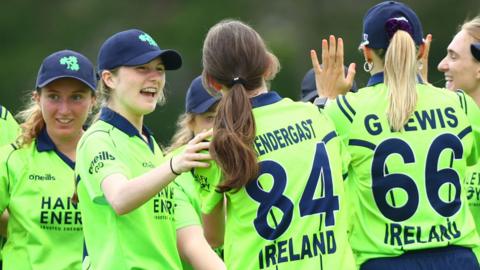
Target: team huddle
[[384, 176]]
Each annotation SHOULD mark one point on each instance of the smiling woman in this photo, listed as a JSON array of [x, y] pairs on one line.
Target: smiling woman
[[45, 228], [127, 200]]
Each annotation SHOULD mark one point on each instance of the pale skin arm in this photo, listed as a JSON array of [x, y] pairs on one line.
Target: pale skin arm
[[4, 223], [214, 225], [331, 80], [126, 195], [194, 249]]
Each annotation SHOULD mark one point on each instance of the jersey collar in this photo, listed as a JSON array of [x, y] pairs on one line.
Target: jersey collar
[[120, 122], [379, 78], [265, 99], [45, 144]]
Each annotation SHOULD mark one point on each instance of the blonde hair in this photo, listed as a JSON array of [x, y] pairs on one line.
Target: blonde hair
[[32, 122], [400, 79], [184, 132], [472, 27], [185, 127]]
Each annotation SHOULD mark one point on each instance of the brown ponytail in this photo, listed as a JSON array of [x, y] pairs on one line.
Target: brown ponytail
[[235, 56]]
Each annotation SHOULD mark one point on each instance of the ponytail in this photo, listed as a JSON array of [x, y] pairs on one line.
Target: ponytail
[[32, 123], [400, 79], [234, 132], [235, 56]]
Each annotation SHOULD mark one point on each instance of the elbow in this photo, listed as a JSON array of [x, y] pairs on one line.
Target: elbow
[[214, 241], [119, 208]]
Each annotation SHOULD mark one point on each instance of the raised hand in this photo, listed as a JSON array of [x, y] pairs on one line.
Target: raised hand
[[424, 58], [192, 156], [330, 76]]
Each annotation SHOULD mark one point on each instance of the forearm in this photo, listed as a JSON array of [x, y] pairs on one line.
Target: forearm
[[126, 195], [214, 225], [194, 249]]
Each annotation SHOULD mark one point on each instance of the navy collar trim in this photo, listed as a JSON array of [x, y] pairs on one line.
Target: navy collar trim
[[265, 99], [379, 78], [120, 122], [45, 144]]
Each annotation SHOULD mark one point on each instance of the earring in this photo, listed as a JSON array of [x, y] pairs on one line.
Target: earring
[[367, 66]]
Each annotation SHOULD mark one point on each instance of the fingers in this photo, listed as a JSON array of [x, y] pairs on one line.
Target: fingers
[[201, 137], [324, 53], [332, 51], [351, 74], [428, 41], [315, 64], [197, 156], [339, 55], [197, 164], [197, 147]]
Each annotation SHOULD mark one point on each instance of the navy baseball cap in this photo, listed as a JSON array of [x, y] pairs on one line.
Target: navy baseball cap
[[198, 100], [66, 64], [309, 88], [132, 48], [377, 19], [475, 49]]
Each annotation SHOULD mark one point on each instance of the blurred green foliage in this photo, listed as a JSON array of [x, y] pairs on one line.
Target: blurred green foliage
[[30, 30]]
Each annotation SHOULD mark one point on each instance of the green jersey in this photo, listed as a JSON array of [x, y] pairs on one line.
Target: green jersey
[[187, 204], [406, 185], [472, 180], [142, 239], [292, 215], [45, 227], [9, 127]]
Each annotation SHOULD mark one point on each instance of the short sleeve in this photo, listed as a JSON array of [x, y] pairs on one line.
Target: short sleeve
[[97, 158], [206, 180], [4, 177], [9, 127], [341, 113], [473, 114], [185, 212]]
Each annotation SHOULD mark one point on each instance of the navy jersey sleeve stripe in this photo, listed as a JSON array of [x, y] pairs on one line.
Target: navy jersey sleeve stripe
[[464, 132], [343, 110], [463, 100], [362, 143], [348, 105], [329, 136]]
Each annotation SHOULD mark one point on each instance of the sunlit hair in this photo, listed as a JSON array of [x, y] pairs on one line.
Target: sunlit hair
[[232, 49], [32, 120], [184, 132], [400, 79], [472, 27]]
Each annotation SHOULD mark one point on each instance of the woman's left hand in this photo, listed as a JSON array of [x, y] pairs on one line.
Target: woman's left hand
[[330, 76]]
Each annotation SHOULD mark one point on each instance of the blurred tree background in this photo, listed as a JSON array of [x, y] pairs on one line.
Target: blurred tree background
[[30, 30]]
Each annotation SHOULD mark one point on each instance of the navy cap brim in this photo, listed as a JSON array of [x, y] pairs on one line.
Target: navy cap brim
[[205, 106], [308, 97], [475, 49], [170, 58], [92, 87]]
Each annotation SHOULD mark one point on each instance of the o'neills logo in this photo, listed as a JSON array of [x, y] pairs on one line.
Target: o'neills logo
[[45, 177], [97, 163]]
